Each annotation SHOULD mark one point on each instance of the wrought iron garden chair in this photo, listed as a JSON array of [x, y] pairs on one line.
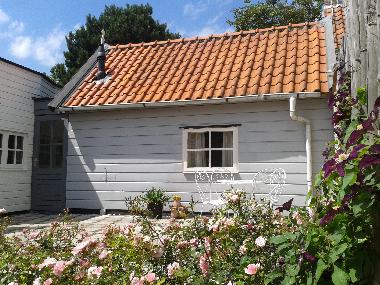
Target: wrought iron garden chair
[[206, 182], [274, 182]]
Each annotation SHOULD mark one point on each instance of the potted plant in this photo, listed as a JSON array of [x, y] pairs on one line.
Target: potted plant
[[176, 201], [155, 199]]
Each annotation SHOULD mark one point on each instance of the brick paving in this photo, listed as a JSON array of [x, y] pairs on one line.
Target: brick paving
[[93, 223]]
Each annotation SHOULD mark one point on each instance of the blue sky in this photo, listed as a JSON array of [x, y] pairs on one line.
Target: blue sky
[[32, 32]]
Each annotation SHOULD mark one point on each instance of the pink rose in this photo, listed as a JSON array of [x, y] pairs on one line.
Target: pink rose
[[48, 281], [137, 281], [3, 211], [37, 281], [260, 241], [80, 247], [59, 267], [203, 264], [172, 268], [94, 271], [252, 269], [150, 277], [235, 198], [50, 262], [103, 254]]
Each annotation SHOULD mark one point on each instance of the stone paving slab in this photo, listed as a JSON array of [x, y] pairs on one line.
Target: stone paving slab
[[92, 223]]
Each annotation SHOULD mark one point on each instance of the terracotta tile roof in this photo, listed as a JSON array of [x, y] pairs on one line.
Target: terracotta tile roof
[[278, 60], [339, 18]]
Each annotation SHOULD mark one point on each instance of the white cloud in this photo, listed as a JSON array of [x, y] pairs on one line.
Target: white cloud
[[211, 27], [16, 27], [21, 47], [193, 10], [46, 50], [4, 18]]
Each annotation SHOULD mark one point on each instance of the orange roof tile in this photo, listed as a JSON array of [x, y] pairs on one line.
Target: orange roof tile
[[277, 60], [338, 18]]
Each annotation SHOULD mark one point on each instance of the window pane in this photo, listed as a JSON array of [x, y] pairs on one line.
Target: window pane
[[44, 156], [57, 131], [19, 155], [1, 154], [57, 158], [20, 142], [45, 132], [11, 141], [221, 139], [11, 157], [197, 140], [1, 140], [222, 158], [197, 159]]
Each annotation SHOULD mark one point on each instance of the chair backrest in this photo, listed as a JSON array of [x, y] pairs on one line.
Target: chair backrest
[[205, 181], [274, 179]]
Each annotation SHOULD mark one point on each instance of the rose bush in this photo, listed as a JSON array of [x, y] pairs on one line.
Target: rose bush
[[232, 246]]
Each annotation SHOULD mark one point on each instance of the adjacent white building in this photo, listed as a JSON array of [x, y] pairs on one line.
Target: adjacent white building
[[18, 86]]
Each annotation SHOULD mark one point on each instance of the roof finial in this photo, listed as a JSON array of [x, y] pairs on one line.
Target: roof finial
[[102, 39]]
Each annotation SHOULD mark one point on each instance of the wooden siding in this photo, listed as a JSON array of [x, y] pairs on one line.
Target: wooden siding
[[17, 89], [116, 154]]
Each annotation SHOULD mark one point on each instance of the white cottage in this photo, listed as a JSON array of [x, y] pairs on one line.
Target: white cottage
[[151, 114], [18, 88]]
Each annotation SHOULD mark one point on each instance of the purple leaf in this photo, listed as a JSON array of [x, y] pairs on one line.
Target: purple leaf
[[377, 103], [354, 137], [375, 148], [309, 257], [369, 160], [329, 167], [328, 217], [340, 168], [337, 117], [355, 152]]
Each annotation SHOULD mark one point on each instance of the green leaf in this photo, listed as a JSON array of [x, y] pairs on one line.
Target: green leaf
[[337, 252], [269, 278], [353, 273], [321, 267], [349, 177], [361, 95], [339, 277]]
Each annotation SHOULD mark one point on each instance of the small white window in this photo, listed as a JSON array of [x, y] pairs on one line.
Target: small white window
[[11, 149], [210, 148], [15, 149]]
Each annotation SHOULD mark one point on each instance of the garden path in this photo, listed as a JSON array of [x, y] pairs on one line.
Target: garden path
[[93, 223]]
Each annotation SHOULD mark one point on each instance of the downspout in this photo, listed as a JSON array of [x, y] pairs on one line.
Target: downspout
[[309, 161]]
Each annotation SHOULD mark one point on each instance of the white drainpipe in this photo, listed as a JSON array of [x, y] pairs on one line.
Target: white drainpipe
[[309, 165]]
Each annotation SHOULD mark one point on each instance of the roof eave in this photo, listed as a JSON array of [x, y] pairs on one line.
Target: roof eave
[[74, 82], [237, 99]]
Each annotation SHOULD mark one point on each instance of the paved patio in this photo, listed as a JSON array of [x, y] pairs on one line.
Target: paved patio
[[93, 223]]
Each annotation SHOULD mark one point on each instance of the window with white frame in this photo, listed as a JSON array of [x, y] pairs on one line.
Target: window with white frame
[[11, 149], [15, 149], [210, 148]]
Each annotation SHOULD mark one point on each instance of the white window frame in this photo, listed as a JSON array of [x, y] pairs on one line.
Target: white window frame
[[234, 168], [4, 154]]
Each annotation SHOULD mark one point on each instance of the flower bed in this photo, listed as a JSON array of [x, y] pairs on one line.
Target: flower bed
[[204, 250]]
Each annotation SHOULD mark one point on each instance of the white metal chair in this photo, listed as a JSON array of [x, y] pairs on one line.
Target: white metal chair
[[274, 182], [206, 181]]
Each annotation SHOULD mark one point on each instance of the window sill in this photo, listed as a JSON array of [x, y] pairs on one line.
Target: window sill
[[13, 168], [207, 169]]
